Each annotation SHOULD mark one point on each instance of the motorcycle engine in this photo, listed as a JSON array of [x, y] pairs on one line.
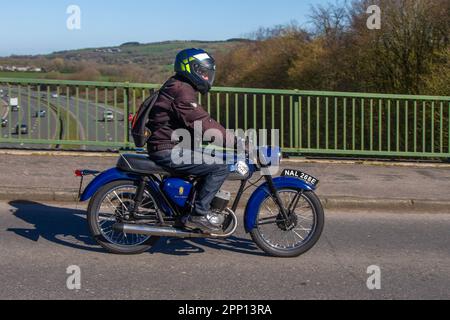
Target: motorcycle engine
[[218, 206], [221, 201]]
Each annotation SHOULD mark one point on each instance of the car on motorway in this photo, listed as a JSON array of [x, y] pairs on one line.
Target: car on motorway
[[108, 116], [14, 103], [22, 129], [4, 123], [41, 114]]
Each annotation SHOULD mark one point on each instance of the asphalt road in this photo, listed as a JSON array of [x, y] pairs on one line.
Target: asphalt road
[[38, 128], [88, 115], [91, 124], [38, 242]]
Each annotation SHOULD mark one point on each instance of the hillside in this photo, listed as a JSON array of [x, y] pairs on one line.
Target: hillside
[[151, 62], [161, 53]]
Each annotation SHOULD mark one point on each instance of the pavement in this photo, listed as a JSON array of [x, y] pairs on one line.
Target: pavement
[[406, 187], [39, 241]]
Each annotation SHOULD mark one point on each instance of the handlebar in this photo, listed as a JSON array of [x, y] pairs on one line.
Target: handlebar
[[253, 154]]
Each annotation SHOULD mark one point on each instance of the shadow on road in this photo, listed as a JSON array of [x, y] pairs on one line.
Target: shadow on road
[[181, 247], [68, 227]]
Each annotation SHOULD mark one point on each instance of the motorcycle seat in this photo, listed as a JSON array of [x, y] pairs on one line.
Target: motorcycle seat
[[140, 164]]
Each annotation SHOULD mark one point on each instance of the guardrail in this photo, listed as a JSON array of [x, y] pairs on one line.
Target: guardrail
[[94, 115]]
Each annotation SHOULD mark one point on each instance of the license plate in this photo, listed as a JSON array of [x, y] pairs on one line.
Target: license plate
[[301, 175]]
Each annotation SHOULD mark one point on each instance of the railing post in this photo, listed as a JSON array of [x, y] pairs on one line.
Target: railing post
[[126, 116]]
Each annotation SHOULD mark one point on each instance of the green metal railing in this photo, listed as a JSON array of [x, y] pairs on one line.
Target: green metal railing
[[94, 116]]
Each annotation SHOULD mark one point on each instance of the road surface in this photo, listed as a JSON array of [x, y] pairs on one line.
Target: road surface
[[38, 128], [89, 115], [86, 115], [40, 241]]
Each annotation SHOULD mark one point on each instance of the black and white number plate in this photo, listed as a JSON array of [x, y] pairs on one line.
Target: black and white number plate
[[300, 175]]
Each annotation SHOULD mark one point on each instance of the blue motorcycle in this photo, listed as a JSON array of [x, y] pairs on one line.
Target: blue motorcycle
[[137, 202]]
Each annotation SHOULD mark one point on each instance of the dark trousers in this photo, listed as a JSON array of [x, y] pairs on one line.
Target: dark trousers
[[212, 176]]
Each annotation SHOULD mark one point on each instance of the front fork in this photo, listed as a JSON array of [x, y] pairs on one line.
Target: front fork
[[275, 195], [286, 214]]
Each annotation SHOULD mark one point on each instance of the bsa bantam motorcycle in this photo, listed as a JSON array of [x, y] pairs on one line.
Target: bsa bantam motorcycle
[[137, 202]]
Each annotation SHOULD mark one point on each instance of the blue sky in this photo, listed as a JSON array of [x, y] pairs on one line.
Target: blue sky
[[31, 27]]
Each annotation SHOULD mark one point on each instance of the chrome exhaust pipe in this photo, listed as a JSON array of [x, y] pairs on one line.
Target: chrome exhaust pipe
[[156, 231]]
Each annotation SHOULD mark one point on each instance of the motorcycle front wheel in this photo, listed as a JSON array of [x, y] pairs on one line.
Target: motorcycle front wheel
[[110, 205], [295, 236]]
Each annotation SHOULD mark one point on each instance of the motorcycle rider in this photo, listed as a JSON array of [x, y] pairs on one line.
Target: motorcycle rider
[[194, 72]]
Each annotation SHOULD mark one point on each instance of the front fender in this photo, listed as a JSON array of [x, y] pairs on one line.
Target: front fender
[[257, 198], [103, 179]]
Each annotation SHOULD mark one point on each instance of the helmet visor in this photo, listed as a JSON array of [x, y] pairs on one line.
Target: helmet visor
[[207, 74]]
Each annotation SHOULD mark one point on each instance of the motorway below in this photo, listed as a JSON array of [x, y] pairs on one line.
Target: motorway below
[[81, 119], [39, 241], [38, 127], [90, 118]]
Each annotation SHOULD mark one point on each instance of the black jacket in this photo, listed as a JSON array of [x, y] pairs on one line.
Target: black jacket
[[181, 113]]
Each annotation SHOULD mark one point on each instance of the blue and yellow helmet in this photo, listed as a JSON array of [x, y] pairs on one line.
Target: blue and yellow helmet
[[198, 67]]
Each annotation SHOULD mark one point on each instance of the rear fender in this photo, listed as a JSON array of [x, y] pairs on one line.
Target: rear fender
[[103, 179], [257, 198]]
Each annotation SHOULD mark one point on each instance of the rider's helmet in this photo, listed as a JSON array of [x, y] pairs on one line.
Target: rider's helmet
[[197, 66]]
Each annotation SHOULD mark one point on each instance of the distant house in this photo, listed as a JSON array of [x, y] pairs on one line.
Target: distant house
[[21, 69], [108, 50]]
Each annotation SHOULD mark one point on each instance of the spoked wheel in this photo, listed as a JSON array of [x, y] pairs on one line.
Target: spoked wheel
[[296, 235], [112, 204]]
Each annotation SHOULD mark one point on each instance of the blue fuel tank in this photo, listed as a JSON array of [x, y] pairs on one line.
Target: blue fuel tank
[[178, 190]]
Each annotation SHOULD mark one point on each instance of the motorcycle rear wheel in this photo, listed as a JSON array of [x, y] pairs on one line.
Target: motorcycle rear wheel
[[105, 239]]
